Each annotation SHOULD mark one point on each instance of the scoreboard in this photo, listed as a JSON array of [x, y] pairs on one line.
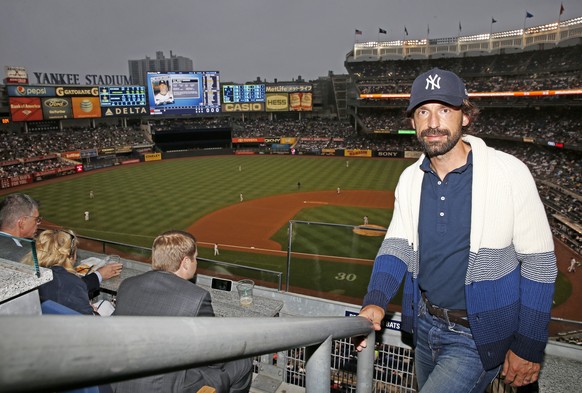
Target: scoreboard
[[122, 96], [234, 94]]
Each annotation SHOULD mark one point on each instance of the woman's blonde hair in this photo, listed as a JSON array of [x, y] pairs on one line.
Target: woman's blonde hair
[[55, 248], [170, 248]]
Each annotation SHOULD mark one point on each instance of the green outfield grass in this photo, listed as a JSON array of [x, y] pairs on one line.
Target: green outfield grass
[[135, 203]]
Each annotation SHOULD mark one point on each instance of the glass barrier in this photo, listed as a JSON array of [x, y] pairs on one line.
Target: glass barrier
[[19, 249]]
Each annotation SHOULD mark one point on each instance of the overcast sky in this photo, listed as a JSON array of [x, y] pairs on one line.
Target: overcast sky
[[242, 39]]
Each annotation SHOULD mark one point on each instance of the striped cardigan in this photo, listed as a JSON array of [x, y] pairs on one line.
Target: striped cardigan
[[511, 271]]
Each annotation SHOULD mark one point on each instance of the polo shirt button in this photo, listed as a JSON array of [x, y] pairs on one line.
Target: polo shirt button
[[442, 198], [441, 214], [439, 182]]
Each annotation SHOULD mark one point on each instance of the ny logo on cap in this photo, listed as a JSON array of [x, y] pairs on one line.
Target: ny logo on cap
[[434, 81]]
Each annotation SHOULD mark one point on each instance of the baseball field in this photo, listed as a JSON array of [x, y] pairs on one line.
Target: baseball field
[[244, 204]]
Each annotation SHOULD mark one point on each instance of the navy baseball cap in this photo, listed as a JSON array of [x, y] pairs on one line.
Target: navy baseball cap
[[437, 85]]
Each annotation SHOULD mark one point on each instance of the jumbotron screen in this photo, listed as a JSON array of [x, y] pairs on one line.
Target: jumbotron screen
[[122, 96], [183, 93]]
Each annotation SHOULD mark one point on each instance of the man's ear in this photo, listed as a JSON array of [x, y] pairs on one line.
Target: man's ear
[[412, 123], [183, 263], [466, 120]]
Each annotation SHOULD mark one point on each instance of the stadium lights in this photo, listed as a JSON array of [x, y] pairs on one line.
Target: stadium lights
[[505, 34], [471, 38]]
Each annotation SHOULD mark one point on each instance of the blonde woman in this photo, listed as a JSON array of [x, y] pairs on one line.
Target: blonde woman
[[57, 250]]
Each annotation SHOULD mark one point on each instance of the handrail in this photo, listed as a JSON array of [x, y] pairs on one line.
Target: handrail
[[47, 353]]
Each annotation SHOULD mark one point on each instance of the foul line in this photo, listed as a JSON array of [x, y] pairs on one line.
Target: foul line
[[231, 246]]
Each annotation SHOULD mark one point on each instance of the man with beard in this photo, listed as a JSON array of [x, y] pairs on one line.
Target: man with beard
[[470, 238]]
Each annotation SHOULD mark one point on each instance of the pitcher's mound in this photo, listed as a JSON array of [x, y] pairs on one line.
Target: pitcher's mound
[[366, 230]]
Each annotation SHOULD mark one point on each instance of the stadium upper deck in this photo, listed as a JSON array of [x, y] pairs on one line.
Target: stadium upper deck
[[563, 33]]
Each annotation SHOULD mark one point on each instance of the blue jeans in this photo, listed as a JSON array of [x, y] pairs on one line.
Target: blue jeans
[[446, 357]]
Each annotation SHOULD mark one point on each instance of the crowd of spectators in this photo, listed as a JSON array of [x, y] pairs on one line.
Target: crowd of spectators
[[555, 124], [552, 69], [161, 125], [24, 168], [18, 145], [496, 83], [564, 212], [535, 64]]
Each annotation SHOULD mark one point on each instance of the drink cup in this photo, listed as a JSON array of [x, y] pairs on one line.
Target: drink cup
[[245, 292]]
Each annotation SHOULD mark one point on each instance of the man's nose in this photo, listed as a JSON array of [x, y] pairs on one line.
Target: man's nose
[[433, 120]]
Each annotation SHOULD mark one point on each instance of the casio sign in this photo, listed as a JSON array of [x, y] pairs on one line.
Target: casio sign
[[56, 103], [250, 107]]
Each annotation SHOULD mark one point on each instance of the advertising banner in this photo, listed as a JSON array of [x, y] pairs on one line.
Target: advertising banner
[[57, 108], [389, 154], [71, 155], [290, 88], [328, 152], [248, 140], [45, 173], [123, 149], [244, 107], [152, 157], [86, 107], [30, 91], [25, 108], [132, 161], [277, 102], [15, 74], [412, 154], [8, 182], [289, 140], [125, 111], [300, 101], [81, 91], [357, 153], [9, 162], [89, 153]]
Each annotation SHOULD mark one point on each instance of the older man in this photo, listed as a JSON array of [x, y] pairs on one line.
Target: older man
[[167, 291], [19, 219]]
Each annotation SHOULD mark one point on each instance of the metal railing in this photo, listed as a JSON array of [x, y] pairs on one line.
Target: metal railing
[[47, 353], [143, 254]]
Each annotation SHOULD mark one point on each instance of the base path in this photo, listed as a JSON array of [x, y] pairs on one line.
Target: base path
[[252, 223]]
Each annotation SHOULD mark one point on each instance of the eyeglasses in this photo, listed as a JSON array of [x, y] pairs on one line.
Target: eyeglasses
[[38, 219]]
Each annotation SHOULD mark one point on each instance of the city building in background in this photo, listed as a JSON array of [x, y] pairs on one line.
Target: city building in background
[[138, 69]]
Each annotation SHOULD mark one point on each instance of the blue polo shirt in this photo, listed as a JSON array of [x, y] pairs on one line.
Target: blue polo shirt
[[444, 231]]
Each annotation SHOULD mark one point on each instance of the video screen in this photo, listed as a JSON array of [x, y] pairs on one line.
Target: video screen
[[184, 93], [122, 96], [235, 94]]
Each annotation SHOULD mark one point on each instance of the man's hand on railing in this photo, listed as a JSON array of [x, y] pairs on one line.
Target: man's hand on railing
[[375, 314]]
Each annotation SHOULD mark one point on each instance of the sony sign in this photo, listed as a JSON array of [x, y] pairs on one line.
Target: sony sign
[[45, 78]]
